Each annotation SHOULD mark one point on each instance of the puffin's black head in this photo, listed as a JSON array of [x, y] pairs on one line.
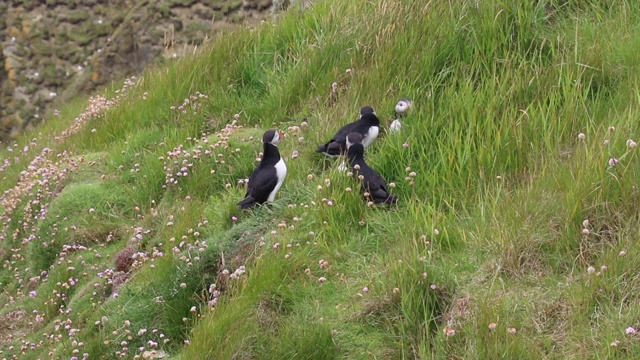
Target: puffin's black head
[[403, 106], [371, 118], [367, 110], [272, 136], [353, 138]]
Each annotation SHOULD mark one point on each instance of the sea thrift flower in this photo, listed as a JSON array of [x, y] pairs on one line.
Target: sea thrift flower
[[615, 343], [591, 270], [613, 162], [631, 144], [322, 279], [449, 331], [582, 136], [492, 326], [512, 330], [622, 253], [630, 331]]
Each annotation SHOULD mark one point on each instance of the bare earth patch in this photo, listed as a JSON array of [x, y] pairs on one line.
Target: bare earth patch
[[12, 325]]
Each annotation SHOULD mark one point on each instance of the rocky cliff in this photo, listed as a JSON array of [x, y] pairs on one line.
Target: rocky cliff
[[54, 49]]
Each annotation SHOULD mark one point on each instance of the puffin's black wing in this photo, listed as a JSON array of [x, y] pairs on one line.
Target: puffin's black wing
[[338, 142], [261, 182], [375, 185], [341, 134]]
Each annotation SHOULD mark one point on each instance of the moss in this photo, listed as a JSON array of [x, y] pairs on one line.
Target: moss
[[41, 49], [235, 5], [76, 17], [31, 88], [98, 30], [80, 37], [182, 3], [196, 31], [162, 10], [236, 17]]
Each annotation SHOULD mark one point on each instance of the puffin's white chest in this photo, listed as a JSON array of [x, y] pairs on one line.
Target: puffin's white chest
[[396, 125], [370, 136], [281, 173]]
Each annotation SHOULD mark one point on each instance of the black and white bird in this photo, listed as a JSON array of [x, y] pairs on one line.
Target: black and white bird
[[372, 185], [367, 125], [266, 180], [402, 108]]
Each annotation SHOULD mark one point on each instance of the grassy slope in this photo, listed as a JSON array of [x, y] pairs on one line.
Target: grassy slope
[[489, 228]]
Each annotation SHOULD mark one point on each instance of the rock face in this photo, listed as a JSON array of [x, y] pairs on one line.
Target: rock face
[[54, 49]]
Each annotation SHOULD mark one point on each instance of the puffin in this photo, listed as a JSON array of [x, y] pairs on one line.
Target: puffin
[[372, 183], [266, 180], [402, 108], [367, 125]]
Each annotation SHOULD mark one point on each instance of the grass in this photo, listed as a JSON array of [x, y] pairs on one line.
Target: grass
[[517, 174]]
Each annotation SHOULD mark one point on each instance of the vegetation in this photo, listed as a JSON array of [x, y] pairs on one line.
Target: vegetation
[[517, 172]]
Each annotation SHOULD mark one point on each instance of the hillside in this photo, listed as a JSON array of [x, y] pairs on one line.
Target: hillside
[[53, 50], [515, 235]]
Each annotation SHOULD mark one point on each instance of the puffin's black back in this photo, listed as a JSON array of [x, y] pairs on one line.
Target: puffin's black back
[[372, 182], [338, 143]]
